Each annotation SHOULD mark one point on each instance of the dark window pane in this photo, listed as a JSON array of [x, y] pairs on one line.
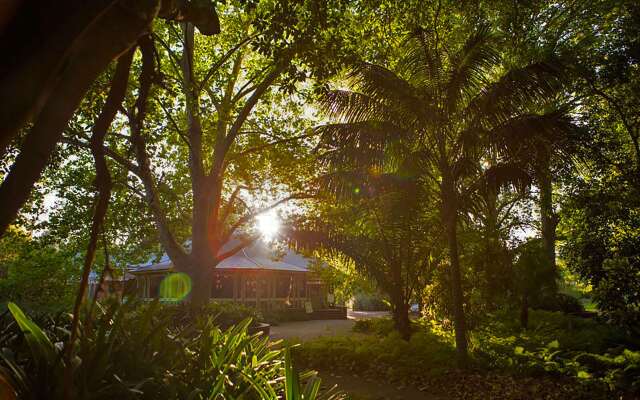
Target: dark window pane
[[222, 287], [283, 286]]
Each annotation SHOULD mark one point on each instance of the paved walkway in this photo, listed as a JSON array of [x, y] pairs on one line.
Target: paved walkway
[[306, 330]]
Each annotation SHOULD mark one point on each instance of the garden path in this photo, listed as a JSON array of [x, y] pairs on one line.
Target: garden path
[[358, 387], [306, 330]]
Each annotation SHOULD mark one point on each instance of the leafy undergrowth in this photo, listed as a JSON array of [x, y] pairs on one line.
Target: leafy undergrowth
[[593, 353], [147, 352], [549, 361]]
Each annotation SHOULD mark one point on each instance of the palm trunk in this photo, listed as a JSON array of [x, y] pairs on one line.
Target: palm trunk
[[450, 216], [548, 218], [524, 311]]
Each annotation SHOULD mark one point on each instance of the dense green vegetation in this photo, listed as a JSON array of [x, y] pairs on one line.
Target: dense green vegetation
[[560, 356], [131, 351], [472, 167]]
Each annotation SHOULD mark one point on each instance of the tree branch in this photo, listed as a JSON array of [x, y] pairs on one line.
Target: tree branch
[[245, 219], [173, 249]]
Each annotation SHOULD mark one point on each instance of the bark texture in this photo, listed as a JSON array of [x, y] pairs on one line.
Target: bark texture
[[450, 216], [48, 70]]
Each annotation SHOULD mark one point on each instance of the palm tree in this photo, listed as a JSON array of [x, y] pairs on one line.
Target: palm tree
[[386, 230], [445, 106]]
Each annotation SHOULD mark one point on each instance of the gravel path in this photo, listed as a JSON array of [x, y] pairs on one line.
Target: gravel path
[[306, 330]]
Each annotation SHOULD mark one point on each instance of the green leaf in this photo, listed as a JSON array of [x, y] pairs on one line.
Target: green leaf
[[42, 350], [553, 345]]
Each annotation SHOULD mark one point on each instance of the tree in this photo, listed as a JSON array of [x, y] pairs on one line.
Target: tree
[[442, 102], [385, 225], [35, 274], [535, 275], [50, 69], [203, 97]]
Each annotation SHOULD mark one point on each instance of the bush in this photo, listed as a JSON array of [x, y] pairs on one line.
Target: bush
[[276, 317], [379, 326], [425, 362], [130, 352], [559, 302], [365, 302], [388, 357], [586, 349]]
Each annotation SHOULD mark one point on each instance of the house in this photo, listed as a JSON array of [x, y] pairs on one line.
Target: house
[[257, 275]]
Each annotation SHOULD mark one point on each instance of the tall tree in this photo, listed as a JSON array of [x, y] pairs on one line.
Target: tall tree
[[220, 84], [386, 225], [449, 102]]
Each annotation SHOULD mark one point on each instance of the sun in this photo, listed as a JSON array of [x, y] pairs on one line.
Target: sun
[[268, 224]]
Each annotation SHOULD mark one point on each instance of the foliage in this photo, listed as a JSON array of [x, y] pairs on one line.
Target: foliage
[[379, 326], [130, 352], [602, 242], [388, 233], [276, 317], [426, 362], [369, 302], [39, 276], [595, 353]]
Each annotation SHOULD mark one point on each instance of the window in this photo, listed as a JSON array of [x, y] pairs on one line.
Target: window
[[301, 286], [250, 286], [222, 287], [154, 286], [283, 286], [263, 287]]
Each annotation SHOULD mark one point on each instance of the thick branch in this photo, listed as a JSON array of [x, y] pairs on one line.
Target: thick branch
[[128, 165], [103, 186], [173, 249], [244, 242], [114, 33]]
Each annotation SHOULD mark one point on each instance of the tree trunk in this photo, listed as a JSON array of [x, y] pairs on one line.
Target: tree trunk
[[34, 59], [401, 319], [201, 276], [548, 218], [107, 39], [524, 311], [450, 217]]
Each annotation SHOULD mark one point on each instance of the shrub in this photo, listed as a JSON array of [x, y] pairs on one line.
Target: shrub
[[275, 317], [365, 302], [379, 326], [559, 302], [586, 349], [134, 352], [389, 357]]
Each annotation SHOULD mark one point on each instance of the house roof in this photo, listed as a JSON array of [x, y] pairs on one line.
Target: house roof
[[259, 255]]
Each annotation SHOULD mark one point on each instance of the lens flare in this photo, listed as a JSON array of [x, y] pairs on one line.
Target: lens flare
[[175, 287]]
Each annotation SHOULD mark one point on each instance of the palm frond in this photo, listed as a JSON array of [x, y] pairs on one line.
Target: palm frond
[[421, 62], [384, 86], [515, 92], [504, 175], [347, 106], [470, 66], [362, 184], [526, 135]]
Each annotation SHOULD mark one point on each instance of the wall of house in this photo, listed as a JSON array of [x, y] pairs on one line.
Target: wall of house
[[264, 289]]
